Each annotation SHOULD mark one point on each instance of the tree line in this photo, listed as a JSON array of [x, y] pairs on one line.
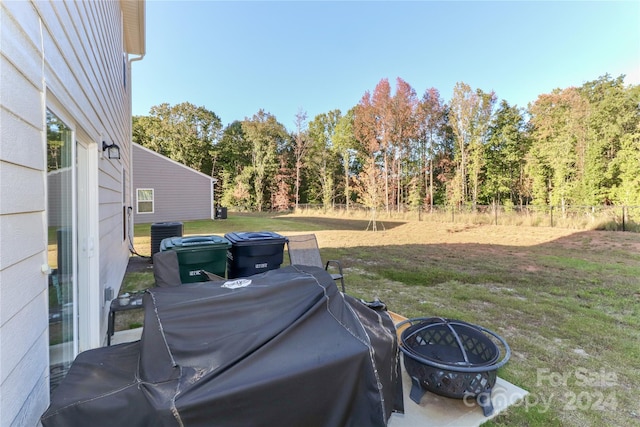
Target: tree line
[[573, 146]]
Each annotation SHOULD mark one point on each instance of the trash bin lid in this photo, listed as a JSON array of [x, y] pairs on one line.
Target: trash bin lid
[[255, 238], [192, 242]]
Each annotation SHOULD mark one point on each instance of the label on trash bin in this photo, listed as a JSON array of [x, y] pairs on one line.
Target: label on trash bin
[[235, 284]]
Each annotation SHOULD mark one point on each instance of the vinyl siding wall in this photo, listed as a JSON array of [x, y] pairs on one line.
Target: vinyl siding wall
[[71, 54], [180, 193]]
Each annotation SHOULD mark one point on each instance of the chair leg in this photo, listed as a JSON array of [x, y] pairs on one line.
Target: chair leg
[[339, 267]]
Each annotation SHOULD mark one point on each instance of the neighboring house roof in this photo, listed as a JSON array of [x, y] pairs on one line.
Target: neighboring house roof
[[133, 13], [136, 145]]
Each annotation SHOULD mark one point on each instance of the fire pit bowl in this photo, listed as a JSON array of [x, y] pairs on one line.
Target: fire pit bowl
[[452, 358]]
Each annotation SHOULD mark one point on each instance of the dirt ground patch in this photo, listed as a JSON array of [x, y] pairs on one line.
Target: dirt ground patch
[[496, 235], [437, 233], [139, 264]]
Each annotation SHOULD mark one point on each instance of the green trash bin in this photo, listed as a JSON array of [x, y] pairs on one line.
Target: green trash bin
[[198, 253]]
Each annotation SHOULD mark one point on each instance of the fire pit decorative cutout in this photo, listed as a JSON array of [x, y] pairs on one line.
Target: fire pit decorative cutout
[[452, 358]]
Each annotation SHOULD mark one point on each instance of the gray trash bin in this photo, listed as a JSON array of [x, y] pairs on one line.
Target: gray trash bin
[[254, 252]]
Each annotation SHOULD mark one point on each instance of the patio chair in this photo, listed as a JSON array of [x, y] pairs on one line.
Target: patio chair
[[304, 250]]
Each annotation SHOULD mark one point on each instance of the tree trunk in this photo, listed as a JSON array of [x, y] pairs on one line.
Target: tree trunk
[[298, 166], [463, 172], [431, 185], [426, 174], [399, 185], [346, 182], [386, 182]]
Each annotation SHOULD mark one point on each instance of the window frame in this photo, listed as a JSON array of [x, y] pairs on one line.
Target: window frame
[[152, 201]]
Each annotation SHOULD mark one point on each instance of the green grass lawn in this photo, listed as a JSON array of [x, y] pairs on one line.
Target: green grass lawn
[[567, 302]]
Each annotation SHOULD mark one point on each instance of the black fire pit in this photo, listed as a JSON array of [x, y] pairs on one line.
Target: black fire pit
[[452, 358]]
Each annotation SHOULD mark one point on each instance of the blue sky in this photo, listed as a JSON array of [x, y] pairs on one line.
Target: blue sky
[[235, 58]]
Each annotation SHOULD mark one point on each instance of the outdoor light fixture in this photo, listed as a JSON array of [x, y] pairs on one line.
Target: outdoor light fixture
[[113, 150]]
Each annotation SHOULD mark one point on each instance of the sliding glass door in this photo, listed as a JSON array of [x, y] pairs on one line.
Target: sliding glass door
[[62, 247]]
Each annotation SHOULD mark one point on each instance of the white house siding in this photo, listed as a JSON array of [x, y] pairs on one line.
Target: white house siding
[[180, 193], [69, 53]]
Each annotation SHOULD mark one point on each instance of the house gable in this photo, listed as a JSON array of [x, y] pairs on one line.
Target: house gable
[[180, 193]]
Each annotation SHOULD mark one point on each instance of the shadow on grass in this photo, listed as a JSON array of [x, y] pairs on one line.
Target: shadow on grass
[[324, 223]]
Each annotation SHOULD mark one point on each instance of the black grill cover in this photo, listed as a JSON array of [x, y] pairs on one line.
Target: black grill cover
[[288, 349]]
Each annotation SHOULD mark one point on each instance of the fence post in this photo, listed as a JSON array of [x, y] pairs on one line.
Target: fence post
[[623, 215], [551, 212]]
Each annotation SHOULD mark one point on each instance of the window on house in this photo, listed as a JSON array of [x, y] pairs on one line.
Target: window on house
[[144, 200]]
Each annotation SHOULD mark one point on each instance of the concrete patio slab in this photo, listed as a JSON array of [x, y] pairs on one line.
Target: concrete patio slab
[[127, 335], [435, 410]]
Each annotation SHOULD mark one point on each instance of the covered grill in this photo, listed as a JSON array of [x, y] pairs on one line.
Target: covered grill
[[283, 347], [452, 358]]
